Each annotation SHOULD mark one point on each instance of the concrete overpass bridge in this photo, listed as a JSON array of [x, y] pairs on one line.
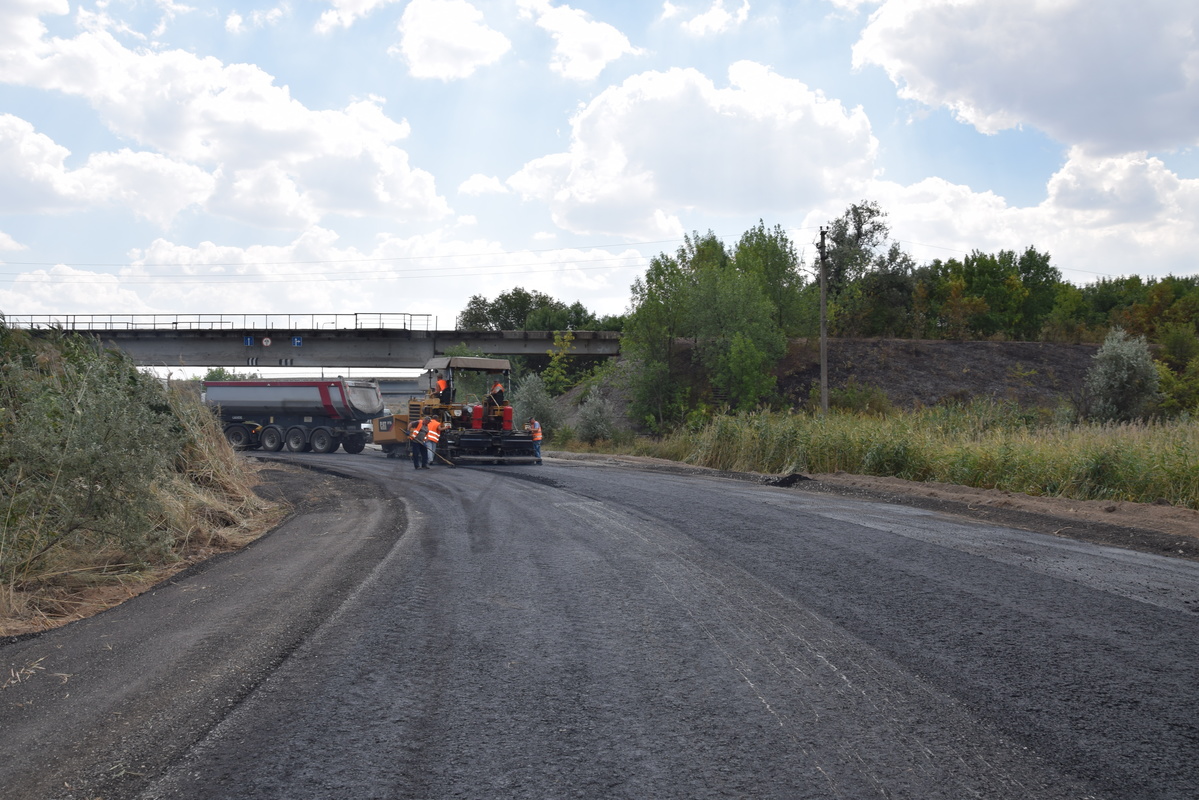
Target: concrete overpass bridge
[[382, 341]]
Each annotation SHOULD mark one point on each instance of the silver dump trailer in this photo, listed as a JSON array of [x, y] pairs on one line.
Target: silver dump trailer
[[308, 414]]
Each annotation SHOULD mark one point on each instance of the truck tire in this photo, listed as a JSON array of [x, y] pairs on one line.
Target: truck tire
[[239, 437], [323, 441], [297, 440], [353, 444], [272, 439]]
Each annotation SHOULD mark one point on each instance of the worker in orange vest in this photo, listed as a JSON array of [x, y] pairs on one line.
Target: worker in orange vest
[[416, 441], [432, 436], [534, 427], [443, 390], [496, 395]]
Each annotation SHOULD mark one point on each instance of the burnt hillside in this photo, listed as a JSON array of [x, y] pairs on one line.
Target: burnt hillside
[[926, 372]]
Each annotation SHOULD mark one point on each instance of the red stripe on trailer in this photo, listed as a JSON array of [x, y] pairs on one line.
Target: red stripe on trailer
[[327, 400]]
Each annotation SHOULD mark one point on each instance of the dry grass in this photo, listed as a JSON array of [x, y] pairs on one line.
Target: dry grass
[[985, 445], [207, 505]]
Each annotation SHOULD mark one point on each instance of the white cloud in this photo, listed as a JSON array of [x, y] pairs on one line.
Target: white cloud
[[66, 290], [345, 12], [665, 143], [33, 174], [447, 39], [1100, 216], [150, 185], [233, 119], [716, 19], [35, 178], [478, 184], [854, 5], [236, 23], [582, 46], [1111, 77], [410, 271], [7, 243], [265, 196]]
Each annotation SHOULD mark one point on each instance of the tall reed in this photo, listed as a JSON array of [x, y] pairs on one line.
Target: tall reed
[[985, 444]]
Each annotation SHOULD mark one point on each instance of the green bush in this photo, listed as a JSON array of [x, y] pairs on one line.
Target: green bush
[[1122, 383], [597, 420], [532, 399]]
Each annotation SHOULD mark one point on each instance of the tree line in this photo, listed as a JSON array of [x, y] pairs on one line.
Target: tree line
[[719, 317]]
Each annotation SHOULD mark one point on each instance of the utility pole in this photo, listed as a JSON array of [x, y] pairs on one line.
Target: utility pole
[[823, 328]]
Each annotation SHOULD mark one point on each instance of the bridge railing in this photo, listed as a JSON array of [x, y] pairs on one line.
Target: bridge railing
[[254, 322]]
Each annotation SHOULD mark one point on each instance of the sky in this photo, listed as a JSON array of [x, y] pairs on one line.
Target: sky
[[401, 156]]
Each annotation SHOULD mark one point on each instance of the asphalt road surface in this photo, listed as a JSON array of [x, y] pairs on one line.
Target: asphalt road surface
[[583, 630]]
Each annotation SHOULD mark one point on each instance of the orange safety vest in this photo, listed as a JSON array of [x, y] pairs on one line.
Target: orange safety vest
[[414, 431], [536, 431], [433, 435], [441, 385], [499, 387]]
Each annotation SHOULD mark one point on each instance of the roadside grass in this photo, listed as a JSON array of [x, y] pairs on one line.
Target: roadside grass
[[109, 482], [989, 445]]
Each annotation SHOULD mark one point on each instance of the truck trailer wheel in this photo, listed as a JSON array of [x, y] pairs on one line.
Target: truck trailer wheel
[[297, 440], [353, 444], [238, 437], [322, 441], [272, 440]]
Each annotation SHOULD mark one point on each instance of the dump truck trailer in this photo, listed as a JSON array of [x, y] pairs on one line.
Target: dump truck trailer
[[477, 427], [306, 414]]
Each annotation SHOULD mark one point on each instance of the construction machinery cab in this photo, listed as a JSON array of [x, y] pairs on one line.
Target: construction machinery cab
[[468, 396], [466, 390]]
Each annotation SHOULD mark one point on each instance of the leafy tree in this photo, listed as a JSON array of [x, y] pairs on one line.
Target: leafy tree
[[736, 338], [852, 241], [560, 317], [1123, 381], [1179, 344], [960, 309], [880, 303], [769, 256], [555, 375], [1067, 319], [1041, 280], [1180, 390], [222, 374], [509, 311], [657, 321]]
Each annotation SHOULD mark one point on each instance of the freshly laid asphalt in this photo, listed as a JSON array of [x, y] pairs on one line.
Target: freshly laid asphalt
[[587, 630]]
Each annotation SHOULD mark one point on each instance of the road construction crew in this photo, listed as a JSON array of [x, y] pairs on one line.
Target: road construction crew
[[535, 428], [432, 437], [497, 393], [416, 441]]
